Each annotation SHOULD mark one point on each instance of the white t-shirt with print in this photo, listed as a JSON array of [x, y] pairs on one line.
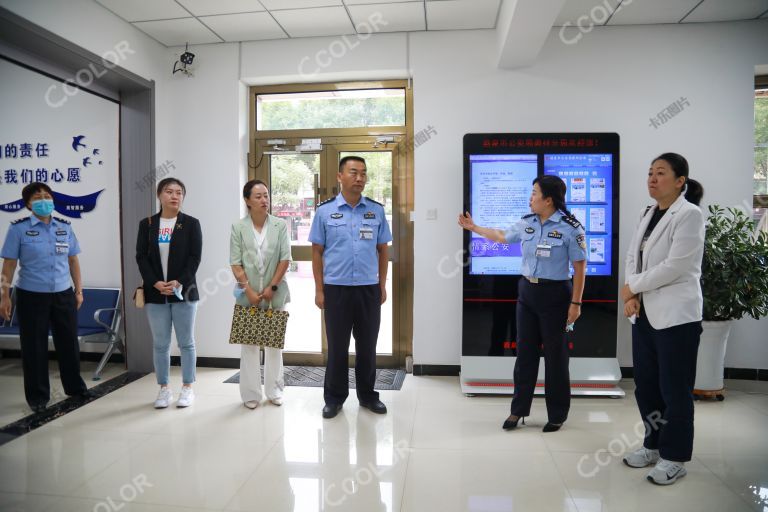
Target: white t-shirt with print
[[164, 236]]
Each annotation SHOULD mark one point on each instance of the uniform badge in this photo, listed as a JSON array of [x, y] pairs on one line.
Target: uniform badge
[[529, 230], [582, 241], [369, 215], [337, 215], [32, 233], [555, 234], [61, 233]]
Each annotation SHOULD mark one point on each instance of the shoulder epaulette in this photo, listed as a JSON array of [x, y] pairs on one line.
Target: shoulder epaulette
[[572, 221], [62, 220], [327, 201], [374, 201], [528, 216], [647, 209], [19, 220]]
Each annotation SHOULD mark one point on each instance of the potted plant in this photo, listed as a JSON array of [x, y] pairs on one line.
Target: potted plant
[[734, 282]]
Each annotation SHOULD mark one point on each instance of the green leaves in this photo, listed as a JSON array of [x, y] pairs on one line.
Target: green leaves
[[734, 274]]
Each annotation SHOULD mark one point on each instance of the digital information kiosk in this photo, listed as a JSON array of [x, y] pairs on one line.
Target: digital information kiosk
[[498, 173]]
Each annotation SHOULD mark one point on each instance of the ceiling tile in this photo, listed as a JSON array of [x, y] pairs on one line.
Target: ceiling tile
[[250, 26], [141, 10], [322, 21], [178, 32], [274, 5], [400, 17], [650, 12], [364, 2], [727, 10], [462, 14], [208, 7], [594, 10]]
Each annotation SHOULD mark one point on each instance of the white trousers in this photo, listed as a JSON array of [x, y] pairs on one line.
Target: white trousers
[[250, 373]]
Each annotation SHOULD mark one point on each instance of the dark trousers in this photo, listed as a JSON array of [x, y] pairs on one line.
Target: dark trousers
[[37, 313], [352, 310], [664, 363], [542, 312]]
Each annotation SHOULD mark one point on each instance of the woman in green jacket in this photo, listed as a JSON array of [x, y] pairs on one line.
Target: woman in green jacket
[[259, 253]]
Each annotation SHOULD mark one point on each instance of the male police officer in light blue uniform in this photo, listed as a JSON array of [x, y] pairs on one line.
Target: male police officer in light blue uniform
[[47, 249], [547, 301], [349, 238]]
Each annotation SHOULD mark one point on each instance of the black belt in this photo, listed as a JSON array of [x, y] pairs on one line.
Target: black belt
[[541, 280]]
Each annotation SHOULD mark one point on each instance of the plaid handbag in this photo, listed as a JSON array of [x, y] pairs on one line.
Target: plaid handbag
[[255, 326]]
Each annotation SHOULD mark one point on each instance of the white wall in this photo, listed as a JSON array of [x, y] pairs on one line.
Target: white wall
[[91, 26], [614, 79]]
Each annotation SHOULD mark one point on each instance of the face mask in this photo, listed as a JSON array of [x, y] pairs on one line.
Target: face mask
[[238, 292], [42, 207]]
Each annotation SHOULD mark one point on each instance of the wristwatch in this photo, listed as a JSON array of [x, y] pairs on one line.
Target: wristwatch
[[274, 287]]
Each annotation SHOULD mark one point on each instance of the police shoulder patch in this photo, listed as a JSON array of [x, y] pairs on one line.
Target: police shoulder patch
[[374, 201], [63, 221], [572, 221], [20, 220], [528, 216], [581, 240], [327, 201]]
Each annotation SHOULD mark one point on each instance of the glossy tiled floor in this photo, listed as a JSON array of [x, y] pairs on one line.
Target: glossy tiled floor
[[12, 404], [436, 450]]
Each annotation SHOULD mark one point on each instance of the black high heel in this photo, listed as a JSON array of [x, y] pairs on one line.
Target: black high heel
[[509, 424], [551, 427]]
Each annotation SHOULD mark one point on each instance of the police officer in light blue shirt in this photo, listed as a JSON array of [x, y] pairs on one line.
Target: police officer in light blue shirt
[[548, 303], [47, 249], [349, 238]]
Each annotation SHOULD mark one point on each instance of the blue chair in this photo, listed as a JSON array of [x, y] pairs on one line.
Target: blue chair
[[98, 321]]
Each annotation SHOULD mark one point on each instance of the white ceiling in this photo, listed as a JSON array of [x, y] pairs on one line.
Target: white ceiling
[[176, 22]]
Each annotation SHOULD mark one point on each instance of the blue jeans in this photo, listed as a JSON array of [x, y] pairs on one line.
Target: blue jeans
[[180, 315]]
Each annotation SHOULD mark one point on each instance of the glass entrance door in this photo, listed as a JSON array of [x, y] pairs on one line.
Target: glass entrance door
[[298, 182]]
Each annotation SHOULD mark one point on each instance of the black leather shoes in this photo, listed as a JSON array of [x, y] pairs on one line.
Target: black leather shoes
[[38, 408], [331, 410], [512, 424], [551, 427], [84, 395], [376, 406]]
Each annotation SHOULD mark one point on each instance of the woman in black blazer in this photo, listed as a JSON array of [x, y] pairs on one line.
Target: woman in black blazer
[[168, 250]]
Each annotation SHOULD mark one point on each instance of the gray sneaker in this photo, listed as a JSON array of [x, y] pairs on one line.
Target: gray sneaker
[[641, 458], [667, 472], [164, 398]]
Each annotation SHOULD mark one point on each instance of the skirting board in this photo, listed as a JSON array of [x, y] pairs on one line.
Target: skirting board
[[493, 375]]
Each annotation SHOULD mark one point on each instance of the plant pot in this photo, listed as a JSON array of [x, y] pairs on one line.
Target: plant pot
[[710, 363]]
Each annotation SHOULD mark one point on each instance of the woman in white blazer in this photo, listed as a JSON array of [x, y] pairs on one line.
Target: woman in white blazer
[[662, 297], [259, 253]]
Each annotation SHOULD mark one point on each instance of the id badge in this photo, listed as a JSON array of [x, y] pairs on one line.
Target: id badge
[[62, 248], [543, 250], [366, 233]]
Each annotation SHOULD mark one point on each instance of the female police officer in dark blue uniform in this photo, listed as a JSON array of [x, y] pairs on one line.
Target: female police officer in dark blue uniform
[[547, 301], [47, 249]]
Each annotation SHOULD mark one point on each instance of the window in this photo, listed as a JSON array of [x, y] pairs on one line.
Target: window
[[760, 188], [330, 109]]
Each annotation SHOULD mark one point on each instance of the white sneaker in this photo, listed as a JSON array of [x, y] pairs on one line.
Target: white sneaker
[[641, 458], [667, 472], [164, 398], [277, 401], [251, 404], [186, 397]]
